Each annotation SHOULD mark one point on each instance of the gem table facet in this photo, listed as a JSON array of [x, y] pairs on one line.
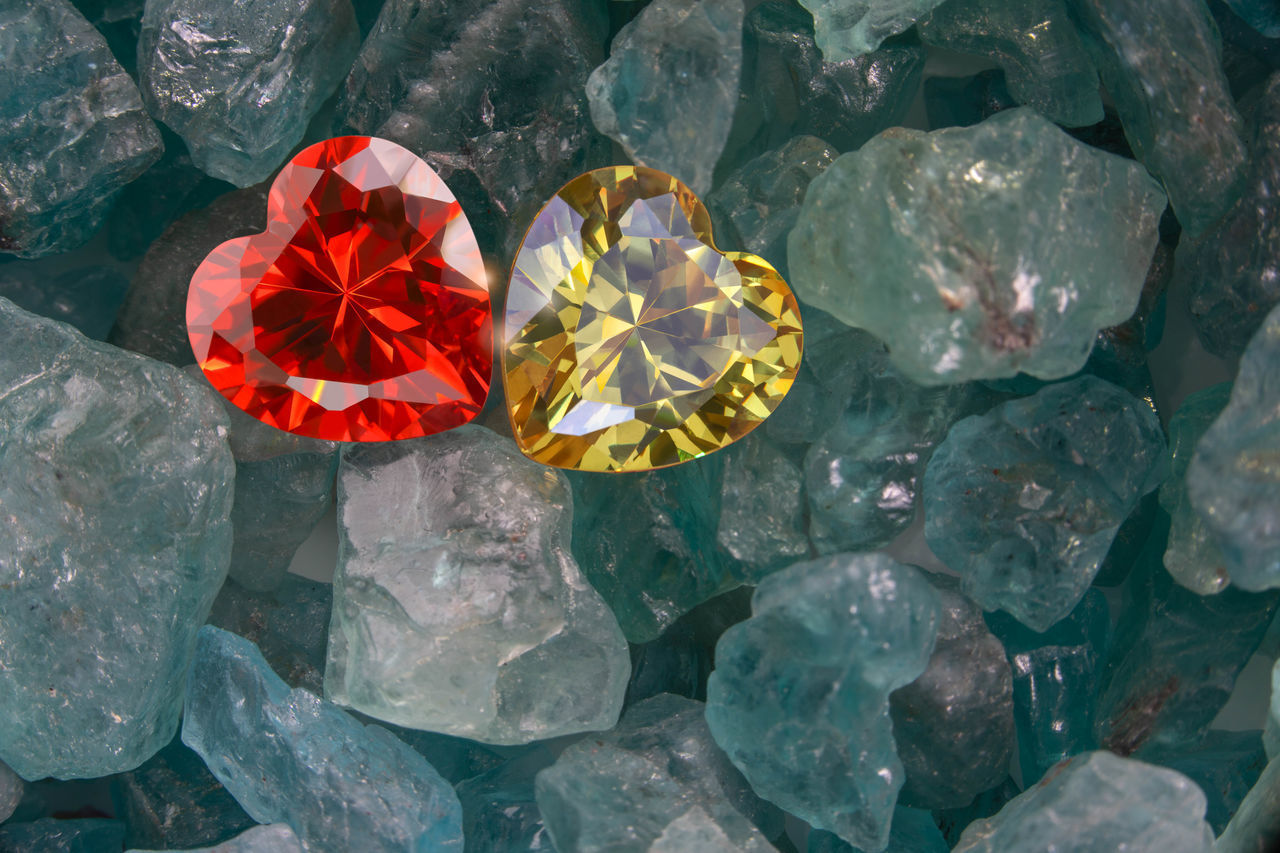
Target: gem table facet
[[361, 313], [631, 341]]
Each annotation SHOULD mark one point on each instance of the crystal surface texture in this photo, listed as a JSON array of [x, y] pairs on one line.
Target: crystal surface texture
[[846, 29], [271, 838]]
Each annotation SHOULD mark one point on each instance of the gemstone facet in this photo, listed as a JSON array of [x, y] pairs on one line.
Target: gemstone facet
[[631, 341], [361, 313]]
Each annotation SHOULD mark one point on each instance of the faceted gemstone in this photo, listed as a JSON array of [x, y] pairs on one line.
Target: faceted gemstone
[[361, 313], [1255, 826], [47, 835], [271, 838], [1009, 244], [239, 81], [116, 494], [1225, 764], [631, 341], [668, 90], [799, 698], [846, 29], [912, 831], [1099, 801]]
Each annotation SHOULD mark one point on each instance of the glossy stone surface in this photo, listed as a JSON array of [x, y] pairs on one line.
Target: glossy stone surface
[[1035, 42], [912, 831], [1099, 801], [288, 623], [499, 812], [1192, 555], [656, 778], [1225, 765], [845, 29], [457, 605], [47, 835], [85, 297], [239, 82], [1233, 482], [271, 838], [1024, 501], [1164, 73], [1016, 271], [361, 313], [73, 130], [841, 633], [631, 342], [1256, 824], [288, 757], [116, 540], [953, 725], [667, 92]]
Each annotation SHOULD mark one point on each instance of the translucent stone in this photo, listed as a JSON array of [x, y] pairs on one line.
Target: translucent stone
[[1256, 824], [762, 508], [1037, 45], [11, 789], [1164, 73], [288, 757], [239, 82], [842, 632], [912, 831], [1010, 245], [289, 624], [116, 539], [173, 802], [848, 28], [1233, 482], [667, 92], [457, 605], [1192, 555], [1024, 501], [491, 93], [86, 297], [499, 812], [1099, 801], [73, 130], [272, 838], [1271, 734], [1225, 765], [48, 835], [953, 725], [656, 778]]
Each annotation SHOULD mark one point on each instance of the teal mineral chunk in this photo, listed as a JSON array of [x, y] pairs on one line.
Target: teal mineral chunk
[[1256, 824], [1024, 501], [1234, 272], [73, 130], [668, 90], [912, 831], [272, 838], [655, 778], [1164, 73], [11, 789], [762, 507], [1099, 801], [116, 539], [1271, 734], [1233, 482], [491, 93], [288, 757], [1225, 765], [849, 28], [239, 81], [954, 724], [499, 812], [756, 207], [454, 758], [1192, 555], [1163, 682], [1035, 42], [1262, 15], [799, 698], [1054, 682], [86, 297], [47, 835], [966, 101], [457, 606], [289, 625], [174, 802], [978, 251]]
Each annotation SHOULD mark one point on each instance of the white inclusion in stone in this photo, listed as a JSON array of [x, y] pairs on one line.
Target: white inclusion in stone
[[589, 416], [328, 394], [552, 248]]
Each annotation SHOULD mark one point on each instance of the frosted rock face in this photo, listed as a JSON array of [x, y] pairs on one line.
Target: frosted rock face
[[458, 607], [116, 494], [981, 251], [1098, 801], [849, 28], [272, 838]]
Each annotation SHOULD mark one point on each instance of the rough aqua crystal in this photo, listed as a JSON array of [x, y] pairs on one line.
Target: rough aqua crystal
[[762, 508], [912, 831], [1224, 764], [11, 789], [271, 838], [846, 29], [667, 92], [47, 835], [1271, 734], [116, 539], [1008, 245], [457, 605], [499, 811], [799, 698], [1024, 501], [289, 757]]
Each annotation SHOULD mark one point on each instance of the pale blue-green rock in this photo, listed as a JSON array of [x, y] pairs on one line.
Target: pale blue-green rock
[[457, 605], [86, 297], [762, 507], [1024, 501], [1035, 42], [1099, 801], [1233, 481], [499, 812], [47, 835], [73, 130], [288, 624], [289, 757], [270, 838], [1164, 72], [1225, 765], [978, 252], [116, 538], [657, 778], [667, 92], [11, 789], [799, 698], [1192, 555], [239, 81], [1271, 734], [1262, 15], [953, 725], [845, 29], [1256, 824], [912, 831]]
